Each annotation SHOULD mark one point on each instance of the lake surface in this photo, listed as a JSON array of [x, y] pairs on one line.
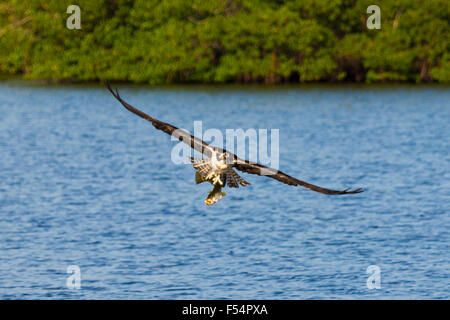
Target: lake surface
[[84, 182]]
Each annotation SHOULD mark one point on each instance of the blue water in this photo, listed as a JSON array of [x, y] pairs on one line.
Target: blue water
[[84, 182]]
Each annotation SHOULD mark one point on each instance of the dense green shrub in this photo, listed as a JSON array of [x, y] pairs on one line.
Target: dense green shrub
[[216, 41]]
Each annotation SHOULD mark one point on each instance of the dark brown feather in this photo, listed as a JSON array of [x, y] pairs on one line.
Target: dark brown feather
[[193, 142], [256, 168]]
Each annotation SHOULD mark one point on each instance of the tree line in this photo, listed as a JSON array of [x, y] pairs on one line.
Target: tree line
[[224, 41]]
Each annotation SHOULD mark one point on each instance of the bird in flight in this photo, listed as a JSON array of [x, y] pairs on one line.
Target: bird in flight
[[218, 166]]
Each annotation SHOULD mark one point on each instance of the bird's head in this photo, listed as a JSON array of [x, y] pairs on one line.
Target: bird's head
[[222, 158]]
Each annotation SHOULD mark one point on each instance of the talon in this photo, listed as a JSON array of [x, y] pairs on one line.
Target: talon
[[217, 180]]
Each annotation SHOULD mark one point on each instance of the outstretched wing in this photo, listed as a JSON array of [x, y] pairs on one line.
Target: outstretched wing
[[256, 168], [195, 143]]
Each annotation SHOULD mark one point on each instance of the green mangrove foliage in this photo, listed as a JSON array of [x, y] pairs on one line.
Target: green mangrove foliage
[[220, 41]]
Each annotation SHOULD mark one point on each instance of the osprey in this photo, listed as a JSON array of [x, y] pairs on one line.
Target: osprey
[[218, 167]]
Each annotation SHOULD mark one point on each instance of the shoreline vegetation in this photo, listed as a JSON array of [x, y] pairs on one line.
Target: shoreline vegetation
[[226, 42]]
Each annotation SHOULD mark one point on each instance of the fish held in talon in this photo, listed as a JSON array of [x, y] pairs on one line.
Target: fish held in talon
[[214, 195]]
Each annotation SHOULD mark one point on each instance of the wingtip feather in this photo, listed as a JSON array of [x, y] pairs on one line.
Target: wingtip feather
[[359, 190]]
